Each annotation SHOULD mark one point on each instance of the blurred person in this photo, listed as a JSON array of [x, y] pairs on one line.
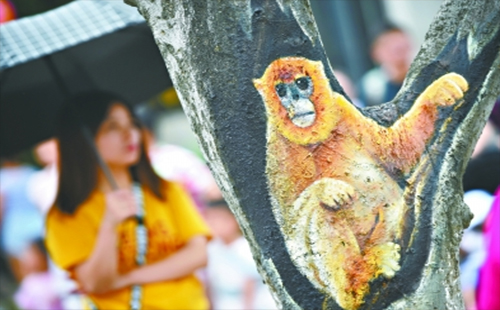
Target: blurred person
[[38, 289], [488, 289], [42, 190], [133, 247], [483, 170], [391, 51], [232, 277], [7, 279], [348, 87], [42, 186], [21, 221], [472, 248], [481, 178]]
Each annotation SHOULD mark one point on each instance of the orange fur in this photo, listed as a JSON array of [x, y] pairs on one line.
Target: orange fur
[[339, 206]]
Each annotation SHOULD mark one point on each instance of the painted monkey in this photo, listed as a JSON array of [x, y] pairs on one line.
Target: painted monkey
[[331, 173]]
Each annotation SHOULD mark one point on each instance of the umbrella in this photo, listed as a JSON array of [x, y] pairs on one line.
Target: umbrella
[[80, 46]]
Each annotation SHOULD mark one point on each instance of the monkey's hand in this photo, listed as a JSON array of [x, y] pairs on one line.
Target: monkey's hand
[[446, 90], [331, 194], [385, 258]]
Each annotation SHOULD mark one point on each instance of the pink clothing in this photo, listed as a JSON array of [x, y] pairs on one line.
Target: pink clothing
[[488, 291], [38, 291]]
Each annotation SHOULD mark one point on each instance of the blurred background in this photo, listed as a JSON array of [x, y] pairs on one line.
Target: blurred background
[[370, 45]]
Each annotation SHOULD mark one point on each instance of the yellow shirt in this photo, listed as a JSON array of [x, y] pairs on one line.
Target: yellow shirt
[[70, 240]]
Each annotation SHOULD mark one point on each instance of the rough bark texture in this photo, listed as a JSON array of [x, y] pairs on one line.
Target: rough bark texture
[[213, 50]]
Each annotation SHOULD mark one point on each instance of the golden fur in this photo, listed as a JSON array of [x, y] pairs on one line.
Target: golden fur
[[340, 209]]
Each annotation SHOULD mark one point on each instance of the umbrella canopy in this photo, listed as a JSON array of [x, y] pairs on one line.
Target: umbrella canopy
[[81, 46]]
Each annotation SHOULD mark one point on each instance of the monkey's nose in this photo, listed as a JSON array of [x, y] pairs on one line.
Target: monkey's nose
[[295, 96]]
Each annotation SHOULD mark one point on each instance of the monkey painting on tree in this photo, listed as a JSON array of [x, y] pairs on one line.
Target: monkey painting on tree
[[333, 175]]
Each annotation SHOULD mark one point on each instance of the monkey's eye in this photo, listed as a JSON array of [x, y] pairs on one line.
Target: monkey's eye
[[281, 90], [302, 83]]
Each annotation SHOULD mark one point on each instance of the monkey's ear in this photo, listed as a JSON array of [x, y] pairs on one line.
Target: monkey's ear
[[258, 83]]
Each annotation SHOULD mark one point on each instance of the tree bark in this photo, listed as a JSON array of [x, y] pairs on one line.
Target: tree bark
[[214, 50]]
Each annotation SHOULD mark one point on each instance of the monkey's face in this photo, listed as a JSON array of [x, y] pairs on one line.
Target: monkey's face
[[298, 99], [295, 98]]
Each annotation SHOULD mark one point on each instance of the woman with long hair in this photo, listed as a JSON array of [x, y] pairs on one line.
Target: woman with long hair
[[135, 247]]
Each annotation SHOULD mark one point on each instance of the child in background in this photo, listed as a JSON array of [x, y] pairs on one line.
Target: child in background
[[42, 186], [38, 288], [20, 220], [232, 277]]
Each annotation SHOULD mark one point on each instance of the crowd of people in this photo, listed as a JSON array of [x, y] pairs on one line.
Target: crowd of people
[[480, 246]]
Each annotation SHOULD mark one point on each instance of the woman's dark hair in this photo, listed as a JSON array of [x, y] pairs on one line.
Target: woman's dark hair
[[78, 165]]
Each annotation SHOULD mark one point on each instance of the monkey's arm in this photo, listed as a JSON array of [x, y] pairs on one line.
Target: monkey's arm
[[402, 144], [410, 133]]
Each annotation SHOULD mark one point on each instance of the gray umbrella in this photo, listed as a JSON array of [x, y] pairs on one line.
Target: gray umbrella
[[80, 46], [80, 21]]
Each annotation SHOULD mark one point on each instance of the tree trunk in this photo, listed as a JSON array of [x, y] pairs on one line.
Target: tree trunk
[[388, 203]]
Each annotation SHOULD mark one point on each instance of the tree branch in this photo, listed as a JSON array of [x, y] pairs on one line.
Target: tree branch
[[215, 49]]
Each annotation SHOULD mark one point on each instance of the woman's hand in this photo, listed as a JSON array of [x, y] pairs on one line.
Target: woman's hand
[[98, 274], [120, 205]]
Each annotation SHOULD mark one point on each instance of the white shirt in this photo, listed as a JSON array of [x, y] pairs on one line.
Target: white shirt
[[229, 267]]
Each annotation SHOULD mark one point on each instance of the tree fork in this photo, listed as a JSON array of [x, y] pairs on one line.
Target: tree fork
[[213, 51]]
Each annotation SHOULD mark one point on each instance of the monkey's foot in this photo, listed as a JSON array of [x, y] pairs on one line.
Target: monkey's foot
[[334, 194], [446, 90], [385, 257]]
